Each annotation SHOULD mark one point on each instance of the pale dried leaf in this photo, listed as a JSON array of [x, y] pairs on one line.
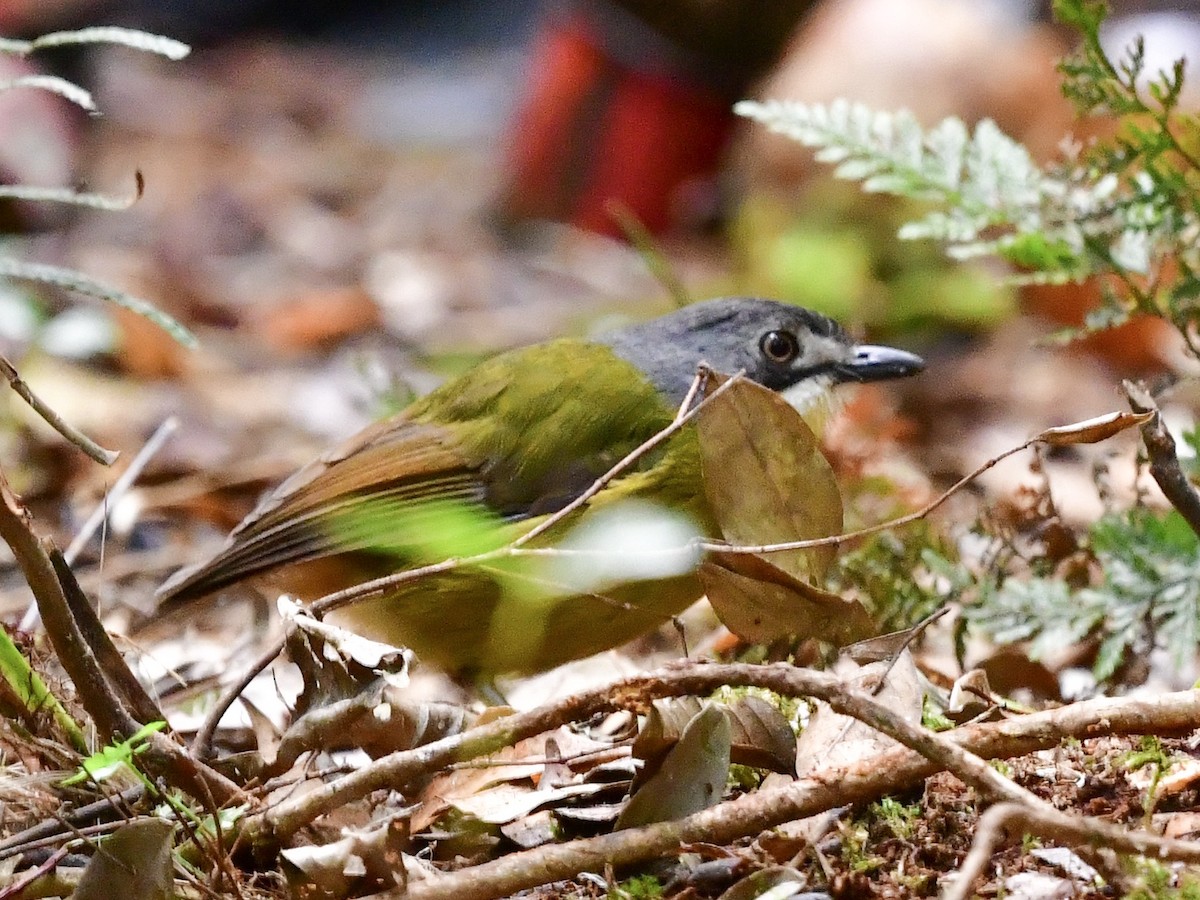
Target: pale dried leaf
[[760, 735], [691, 778], [833, 739], [773, 882]]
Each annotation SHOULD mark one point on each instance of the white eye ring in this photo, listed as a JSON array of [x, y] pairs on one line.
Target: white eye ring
[[779, 346]]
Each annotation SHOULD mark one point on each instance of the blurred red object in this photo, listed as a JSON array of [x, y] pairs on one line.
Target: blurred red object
[[629, 104], [594, 131]]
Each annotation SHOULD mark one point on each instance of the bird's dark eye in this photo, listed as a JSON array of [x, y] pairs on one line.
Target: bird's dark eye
[[779, 346]]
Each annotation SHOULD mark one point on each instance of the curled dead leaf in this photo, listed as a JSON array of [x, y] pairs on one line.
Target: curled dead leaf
[[970, 697], [1092, 431]]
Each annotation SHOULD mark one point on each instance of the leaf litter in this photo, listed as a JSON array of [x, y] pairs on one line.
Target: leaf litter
[[241, 256]]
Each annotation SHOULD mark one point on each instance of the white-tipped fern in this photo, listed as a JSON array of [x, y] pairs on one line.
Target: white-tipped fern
[[1128, 207], [68, 279]]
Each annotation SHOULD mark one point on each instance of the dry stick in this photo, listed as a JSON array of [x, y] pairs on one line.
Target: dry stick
[[202, 743], [358, 722], [33, 556], [505, 878], [873, 529], [30, 621], [1012, 737], [643, 243], [121, 486], [49, 831], [17, 888], [1049, 436], [76, 437], [1164, 463], [855, 782], [129, 690], [1047, 822], [1039, 815], [162, 756], [807, 544]]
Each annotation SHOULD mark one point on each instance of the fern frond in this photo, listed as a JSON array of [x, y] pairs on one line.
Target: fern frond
[[71, 280], [102, 34], [1124, 209]]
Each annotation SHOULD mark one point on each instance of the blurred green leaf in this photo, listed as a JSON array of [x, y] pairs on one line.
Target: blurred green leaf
[[114, 758], [26, 685], [418, 531]]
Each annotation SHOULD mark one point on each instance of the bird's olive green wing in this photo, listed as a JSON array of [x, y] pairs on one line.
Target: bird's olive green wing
[[392, 461], [518, 436]]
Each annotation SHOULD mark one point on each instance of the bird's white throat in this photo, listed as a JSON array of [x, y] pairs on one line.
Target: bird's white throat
[[805, 396]]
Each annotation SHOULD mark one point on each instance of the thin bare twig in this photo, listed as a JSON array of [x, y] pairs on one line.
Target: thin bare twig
[[682, 418], [1058, 435], [858, 782], [202, 742], [53, 419], [108, 711], [808, 543], [34, 558], [873, 529], [50, 831], [74, 198], [642, 241], [120, 487]]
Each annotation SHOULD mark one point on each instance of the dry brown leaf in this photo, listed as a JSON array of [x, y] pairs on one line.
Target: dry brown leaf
[[506, 803], [517, 765], [834, 739], [760, 735], [879, 647], [363, 860], [137, 857], [317, 319], [765, 477], [760, 602]]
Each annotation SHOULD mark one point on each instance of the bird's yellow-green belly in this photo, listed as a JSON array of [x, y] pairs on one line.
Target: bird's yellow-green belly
[[466, 623]]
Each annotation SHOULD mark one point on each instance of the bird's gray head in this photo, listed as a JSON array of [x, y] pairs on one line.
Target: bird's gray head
[[789, 349]]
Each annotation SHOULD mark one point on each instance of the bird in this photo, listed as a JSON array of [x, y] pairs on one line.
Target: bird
[[499, 449]]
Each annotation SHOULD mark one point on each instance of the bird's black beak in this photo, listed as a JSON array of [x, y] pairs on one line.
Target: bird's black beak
[[872, 363]]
